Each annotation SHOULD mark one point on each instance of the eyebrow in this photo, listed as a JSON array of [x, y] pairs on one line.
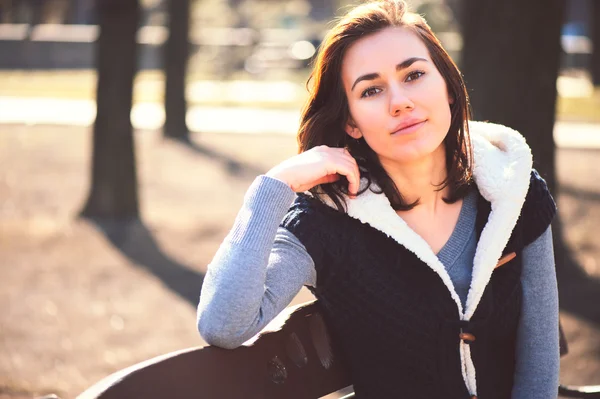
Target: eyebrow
[[403, 65]]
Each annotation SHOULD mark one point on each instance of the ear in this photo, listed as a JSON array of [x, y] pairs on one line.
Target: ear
[[352, 130]]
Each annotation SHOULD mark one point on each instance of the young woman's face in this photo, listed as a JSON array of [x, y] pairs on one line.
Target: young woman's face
[[398, 100]]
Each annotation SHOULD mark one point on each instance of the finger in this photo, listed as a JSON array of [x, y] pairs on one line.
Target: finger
[[354, 184], [353, 175], [349, 170]]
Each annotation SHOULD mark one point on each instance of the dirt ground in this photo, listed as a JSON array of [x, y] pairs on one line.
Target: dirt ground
[[81, 300]]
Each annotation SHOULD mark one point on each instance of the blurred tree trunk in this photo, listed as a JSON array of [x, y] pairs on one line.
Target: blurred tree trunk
[[595, 28], [510, 60], [176, 52], [113, 193]]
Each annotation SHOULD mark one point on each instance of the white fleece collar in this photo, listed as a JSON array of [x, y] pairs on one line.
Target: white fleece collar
[[502, 166]]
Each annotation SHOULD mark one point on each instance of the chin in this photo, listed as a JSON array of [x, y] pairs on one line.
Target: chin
[[418, 152], [407, 157]]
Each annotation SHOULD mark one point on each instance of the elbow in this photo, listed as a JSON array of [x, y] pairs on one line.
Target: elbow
[[220, 340], [216, 335], [221, 326]]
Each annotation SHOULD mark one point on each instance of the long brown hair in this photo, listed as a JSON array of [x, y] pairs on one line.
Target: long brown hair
[[326, 112]]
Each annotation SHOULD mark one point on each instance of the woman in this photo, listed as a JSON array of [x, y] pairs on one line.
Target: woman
[[423, 234]]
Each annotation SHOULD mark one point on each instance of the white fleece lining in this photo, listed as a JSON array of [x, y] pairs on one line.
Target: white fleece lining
[[469, 375], [502, 165]]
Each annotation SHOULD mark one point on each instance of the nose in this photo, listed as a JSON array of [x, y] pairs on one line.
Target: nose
[[399, 101]]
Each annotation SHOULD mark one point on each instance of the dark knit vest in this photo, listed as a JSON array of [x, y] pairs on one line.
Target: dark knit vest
[[396, 322]]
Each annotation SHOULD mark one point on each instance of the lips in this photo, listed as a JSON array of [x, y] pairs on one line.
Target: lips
[[408, 126]]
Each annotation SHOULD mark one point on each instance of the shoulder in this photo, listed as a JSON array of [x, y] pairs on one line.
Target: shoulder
[[307, 210], [302, 212], [305, 220], [317, 226], [538, 210]]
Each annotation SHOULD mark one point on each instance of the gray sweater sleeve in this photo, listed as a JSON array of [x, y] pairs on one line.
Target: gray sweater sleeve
[[257, 270], [538, 358]]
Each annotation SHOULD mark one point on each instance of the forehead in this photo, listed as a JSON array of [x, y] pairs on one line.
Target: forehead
[[382, 50]]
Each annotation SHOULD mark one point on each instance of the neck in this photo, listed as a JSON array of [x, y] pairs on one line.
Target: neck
[[420, 179]]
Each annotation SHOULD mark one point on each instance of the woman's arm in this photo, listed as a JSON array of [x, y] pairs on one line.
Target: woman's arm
[[537, 367], [259, 269], [256, 272]]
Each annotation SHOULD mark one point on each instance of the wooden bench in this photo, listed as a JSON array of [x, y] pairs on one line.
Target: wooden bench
[[294, 358], [294, 361]]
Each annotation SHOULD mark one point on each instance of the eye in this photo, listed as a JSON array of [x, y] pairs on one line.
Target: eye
[[370, 92], [414, 75]]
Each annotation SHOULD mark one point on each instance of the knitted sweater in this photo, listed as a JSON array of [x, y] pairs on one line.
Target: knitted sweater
[[374, 290], [240, 296]]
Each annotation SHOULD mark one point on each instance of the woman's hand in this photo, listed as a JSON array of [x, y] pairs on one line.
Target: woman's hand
[[319, 165]]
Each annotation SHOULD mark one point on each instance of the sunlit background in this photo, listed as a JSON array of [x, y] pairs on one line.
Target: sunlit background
[[106, 231], [251, 54]]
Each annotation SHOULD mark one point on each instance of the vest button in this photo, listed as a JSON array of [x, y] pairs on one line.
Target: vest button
[[468, 338]]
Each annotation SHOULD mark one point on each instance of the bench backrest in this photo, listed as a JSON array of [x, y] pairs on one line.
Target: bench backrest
[[295, 361]]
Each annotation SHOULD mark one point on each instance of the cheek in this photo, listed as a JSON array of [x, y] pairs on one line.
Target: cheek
[[368, 115], [445, 113], [436, 92], [447, 116], [437, 102], [441, 121]]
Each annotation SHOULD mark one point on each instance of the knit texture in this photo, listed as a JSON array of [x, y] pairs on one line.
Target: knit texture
[[395, 318]]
